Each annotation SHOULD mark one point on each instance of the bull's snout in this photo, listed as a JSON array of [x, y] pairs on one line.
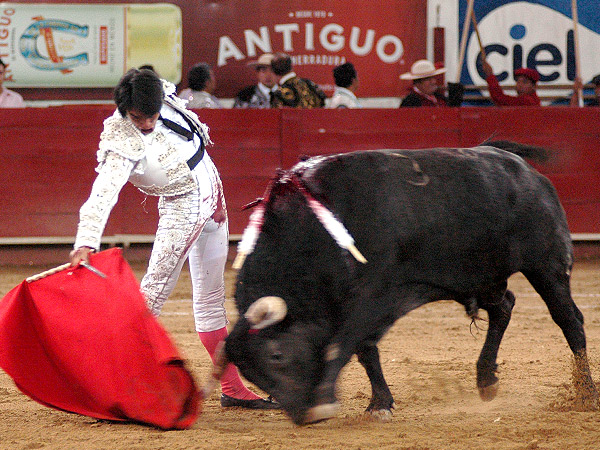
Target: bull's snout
[[321, 412]]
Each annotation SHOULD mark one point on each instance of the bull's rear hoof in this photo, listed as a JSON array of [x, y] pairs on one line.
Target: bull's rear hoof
[[321, 412], [488, 393]]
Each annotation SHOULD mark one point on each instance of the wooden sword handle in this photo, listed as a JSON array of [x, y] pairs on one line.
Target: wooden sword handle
[[41, 275]]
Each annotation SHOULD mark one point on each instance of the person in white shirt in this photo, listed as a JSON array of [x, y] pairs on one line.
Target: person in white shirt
[[346, 84], [202, 84], [158, 145], [8, 98], [258, 96]]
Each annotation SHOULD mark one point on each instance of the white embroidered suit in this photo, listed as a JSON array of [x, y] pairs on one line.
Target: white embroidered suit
[[157, 165]]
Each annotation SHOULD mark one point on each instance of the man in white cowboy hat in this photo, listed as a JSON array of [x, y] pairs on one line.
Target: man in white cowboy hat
[[258, 95], [425, 90]]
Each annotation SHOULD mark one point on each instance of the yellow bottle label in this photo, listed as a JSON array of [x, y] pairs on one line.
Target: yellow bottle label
[[87, 45], [154, 37]]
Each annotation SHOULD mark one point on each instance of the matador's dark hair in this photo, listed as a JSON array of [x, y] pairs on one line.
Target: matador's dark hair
[[140, 90]]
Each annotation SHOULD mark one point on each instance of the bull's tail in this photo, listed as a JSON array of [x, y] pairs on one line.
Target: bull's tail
[[538, 154]]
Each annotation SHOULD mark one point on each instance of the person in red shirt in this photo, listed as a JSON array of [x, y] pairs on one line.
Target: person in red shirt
[[526, 84]]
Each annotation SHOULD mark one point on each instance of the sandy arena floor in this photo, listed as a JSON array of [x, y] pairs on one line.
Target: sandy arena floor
[[428, 358]]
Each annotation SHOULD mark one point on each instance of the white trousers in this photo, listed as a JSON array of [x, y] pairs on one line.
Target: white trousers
[[186, 229]]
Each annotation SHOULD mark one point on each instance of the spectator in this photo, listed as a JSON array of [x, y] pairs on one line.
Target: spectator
[[201, 85], [346, 84], [8, 98], [526, 84], [294, 92], [426, 90], [578, 85], [158, 145], [258, 95]]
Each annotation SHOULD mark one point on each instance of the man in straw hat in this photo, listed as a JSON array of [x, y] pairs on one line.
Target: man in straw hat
[[258, 95], [426, 89], [525, 84]]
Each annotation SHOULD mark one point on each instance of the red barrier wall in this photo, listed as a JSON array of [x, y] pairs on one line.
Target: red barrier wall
[[48, 156]]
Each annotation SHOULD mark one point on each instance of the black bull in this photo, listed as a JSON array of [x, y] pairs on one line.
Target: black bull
[[433, 224]]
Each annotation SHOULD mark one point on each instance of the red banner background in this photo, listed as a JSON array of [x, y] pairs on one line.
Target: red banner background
[[317, 34]]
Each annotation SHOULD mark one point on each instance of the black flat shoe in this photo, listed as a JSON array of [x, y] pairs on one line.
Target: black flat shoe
[[259, 403]]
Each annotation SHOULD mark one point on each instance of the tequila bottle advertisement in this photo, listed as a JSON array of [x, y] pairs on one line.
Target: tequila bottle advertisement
[[87, 45]]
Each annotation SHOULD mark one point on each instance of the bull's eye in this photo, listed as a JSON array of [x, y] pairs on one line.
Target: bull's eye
[[274, 352]]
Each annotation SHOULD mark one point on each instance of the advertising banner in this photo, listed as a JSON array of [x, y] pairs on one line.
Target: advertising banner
[[84, 44], [87, 45], [381, 39], [537, 34]]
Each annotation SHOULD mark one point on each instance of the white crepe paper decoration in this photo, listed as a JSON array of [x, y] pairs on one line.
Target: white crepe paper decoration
[[250, 236], [333, 226]]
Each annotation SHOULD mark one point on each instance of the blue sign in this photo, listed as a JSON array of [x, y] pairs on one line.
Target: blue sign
[[538, 34]]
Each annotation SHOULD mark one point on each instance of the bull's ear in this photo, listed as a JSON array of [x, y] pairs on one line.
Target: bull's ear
[[266, 311]]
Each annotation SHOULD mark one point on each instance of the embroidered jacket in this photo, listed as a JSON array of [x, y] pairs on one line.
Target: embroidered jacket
[[156, 164], [296, 92]]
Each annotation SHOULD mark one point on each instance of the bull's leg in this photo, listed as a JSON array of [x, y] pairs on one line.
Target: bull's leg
[[556, 293], [357, 329], [499, 312], [382, 401], [326, 405]]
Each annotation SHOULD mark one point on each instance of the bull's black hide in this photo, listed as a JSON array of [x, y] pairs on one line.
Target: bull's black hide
[[433, 224]]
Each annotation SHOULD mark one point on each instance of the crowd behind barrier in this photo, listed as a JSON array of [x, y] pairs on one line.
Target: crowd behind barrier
[[49, 157], [474, 95]]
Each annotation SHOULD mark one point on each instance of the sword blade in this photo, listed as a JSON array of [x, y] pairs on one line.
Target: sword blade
[[92, 269]]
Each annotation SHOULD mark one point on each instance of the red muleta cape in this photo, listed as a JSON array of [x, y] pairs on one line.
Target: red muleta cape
[[89, 345]]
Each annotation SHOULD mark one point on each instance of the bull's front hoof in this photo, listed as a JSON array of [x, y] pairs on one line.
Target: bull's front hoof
[[381, 415], [488, 393], [321, 412]]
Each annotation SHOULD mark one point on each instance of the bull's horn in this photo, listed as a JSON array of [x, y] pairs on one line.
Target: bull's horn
[[266, 311], [219, 366]]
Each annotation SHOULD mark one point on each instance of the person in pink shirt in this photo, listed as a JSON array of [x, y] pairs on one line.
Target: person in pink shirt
[[8, 98], [526, 84]]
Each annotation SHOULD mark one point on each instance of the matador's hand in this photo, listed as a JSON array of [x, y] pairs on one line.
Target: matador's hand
[[219, 215], [80, 254]]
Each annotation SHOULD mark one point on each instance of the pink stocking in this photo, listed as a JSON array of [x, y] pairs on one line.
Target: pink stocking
[[231, 383]]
